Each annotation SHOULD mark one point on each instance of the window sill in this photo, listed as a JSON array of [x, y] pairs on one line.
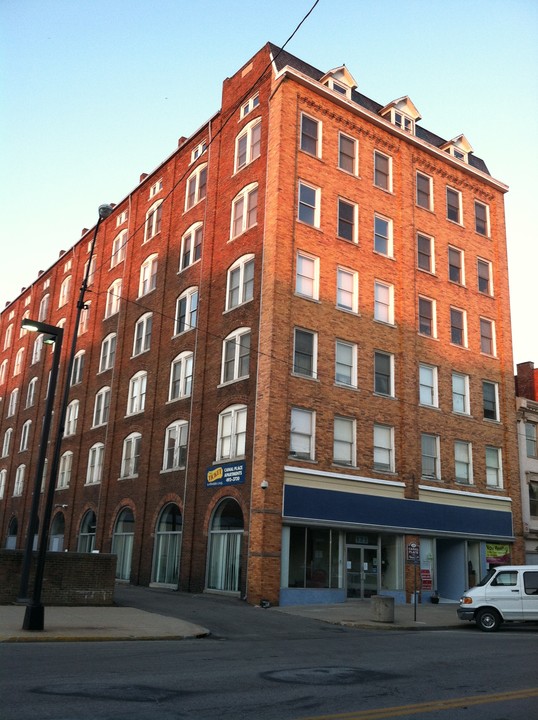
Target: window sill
[[168, 471]]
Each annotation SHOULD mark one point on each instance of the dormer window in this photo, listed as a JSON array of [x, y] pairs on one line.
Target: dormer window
[[459, 147], [340, 80], [402, 113]]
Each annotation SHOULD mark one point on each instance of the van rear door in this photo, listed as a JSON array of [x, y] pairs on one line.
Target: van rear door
[[530, 594], [505, 592]]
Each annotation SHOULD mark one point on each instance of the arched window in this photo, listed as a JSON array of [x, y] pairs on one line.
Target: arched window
[[57, 532], [86, 536], [95, 464], [165, 569], [196, 186], [240, 284], [113, 298], [65, 289], [142, 334], [3, 479], [148, 275], [244, 210], [225, 535], [84, 318], [153, 220], [43, 308], [191, 246], [12, 404], [71, 418], [19, 481], [78, 367], [108, 352], [247, 144], [30, 392], [118, 249], [122, 543], [64, 474], [181, 376], [8, 336], [17, 368], [186, 311], [131, 455], [175, 445], [235, 355], [7, 442], [37, 349], [136, 401], [101, 407], [23, 330], [232, 432], [3, 371], [25, 436]]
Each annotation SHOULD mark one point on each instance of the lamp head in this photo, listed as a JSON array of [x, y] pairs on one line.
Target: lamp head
[[105, 211]]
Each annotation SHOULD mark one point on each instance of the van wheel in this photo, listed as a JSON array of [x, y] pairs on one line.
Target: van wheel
[[488, 620]]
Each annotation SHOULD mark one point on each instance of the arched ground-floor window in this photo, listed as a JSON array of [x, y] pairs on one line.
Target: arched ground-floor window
[[225, 535], [13, 529], [57, 532], [167, 546], [122, 543], [86, 536]]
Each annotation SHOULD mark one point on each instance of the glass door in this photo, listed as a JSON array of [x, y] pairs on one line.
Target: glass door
[[362, 577]]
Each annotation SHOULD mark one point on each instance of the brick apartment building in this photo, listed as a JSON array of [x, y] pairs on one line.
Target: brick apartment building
[[527, 433], [294, 372]]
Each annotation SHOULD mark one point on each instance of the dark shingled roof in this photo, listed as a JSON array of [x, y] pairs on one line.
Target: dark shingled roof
[[282, 58]]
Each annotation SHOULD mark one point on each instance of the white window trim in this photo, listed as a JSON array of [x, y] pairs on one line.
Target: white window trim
[[101, 410], [391, 378], [104, 358], [389, 179], [390, 448], [390, 236], [315, 279], [71, 418], [148, 275], [311, 455], [487, 234], [497, 417], [466, 398], [437, 457], [355, 170], [247, 132], [188, 242], [119, 248], [113, 298], [94, 471], [188, 294], [354, 352], [464, 344], [493, 337], [249, 106], [235, 337], [354, 291], [491, 292], [500, 484], [433, 302], [242, 199], [319, 133], [240, 264], [353, 445], [470, 480], [389, 306], [134, 440], [153, 223], [234, 412], [177, 427], [316, 207], [195, 175], [141, 337], [430, 205], [186, 358], [355, 226], [434, 386], [314, 335], [136, 399], [462, 266], [460, 206]]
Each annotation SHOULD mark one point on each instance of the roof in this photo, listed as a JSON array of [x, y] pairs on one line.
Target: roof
[[283, 58]]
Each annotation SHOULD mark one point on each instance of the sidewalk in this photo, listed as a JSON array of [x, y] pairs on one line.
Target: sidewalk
[[78, 624]]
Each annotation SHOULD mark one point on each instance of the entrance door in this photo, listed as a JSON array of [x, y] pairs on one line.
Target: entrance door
[[362, 565]]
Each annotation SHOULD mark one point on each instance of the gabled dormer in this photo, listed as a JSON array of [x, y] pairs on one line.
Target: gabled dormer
[[402, 113], [340, 80], [459, 147]]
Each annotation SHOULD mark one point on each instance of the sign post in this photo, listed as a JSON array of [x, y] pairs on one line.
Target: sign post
[[413, 556]]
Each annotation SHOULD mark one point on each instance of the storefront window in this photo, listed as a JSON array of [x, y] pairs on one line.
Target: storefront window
[[313, 558]]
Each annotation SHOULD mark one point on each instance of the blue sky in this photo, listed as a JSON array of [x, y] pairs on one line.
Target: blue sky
[[95, 92]]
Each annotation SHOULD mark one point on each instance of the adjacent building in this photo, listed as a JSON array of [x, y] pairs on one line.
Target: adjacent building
[[527, 432], [294, 374]]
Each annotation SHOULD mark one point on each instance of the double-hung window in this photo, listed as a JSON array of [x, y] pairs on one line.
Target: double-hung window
[[119, 246], [384, 374], [101, 407], [344, 451], [309, 204], [453, 205], [424, 191], [175, 445], [305, 353], [148, 275], [64, 474], [310, 135], [426, 317], [37, 349], [458, 327], [136, 401], [460, 393], [463, 465], [383, 448], [428, 387], [347, 290], [240, 286], [25, 436], [95, 464], [456, 266], [65, 289], [71, 418], [43, 309], [186, 311], [345, 371], [142, 334], [181, 376], [6, 442], [247, 144], [384, 302], [485, 276], [153, 221], [236, 355], [302, 434], [12, 403], [481, 218], [78, 368], [19, 481], [487, 337], [113, 298], [348, 213], [530, 439], [131, 455], [191, 246], [108, 352], [244, 210], [382, 171], [431, 462], [196, 186], [490, 400], [31, 392], [307, 276], [383, 236], [17, 367], [347, 153], [494, 473], [232, 432], [425, 253]]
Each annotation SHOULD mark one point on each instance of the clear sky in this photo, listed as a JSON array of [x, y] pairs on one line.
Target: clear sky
[[95, 92]]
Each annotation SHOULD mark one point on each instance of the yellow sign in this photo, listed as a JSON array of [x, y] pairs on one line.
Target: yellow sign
[[213, 475]]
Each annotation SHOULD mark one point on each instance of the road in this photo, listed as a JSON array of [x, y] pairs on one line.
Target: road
[[265, 665]]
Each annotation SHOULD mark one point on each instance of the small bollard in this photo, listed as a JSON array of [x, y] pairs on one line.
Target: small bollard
[[383, 608]]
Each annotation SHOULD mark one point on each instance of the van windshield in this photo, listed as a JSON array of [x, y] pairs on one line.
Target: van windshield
[[486, 577]]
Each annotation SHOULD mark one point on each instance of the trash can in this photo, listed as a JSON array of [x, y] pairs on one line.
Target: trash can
[[383, 608]]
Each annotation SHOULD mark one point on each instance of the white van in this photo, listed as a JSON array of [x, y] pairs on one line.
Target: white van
[[506, 593]]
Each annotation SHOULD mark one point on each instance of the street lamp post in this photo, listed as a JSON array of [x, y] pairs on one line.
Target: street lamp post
[[54, 335], [35, 611]]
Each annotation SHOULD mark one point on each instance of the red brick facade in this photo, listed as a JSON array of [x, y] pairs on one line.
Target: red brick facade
[[248, 549]]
